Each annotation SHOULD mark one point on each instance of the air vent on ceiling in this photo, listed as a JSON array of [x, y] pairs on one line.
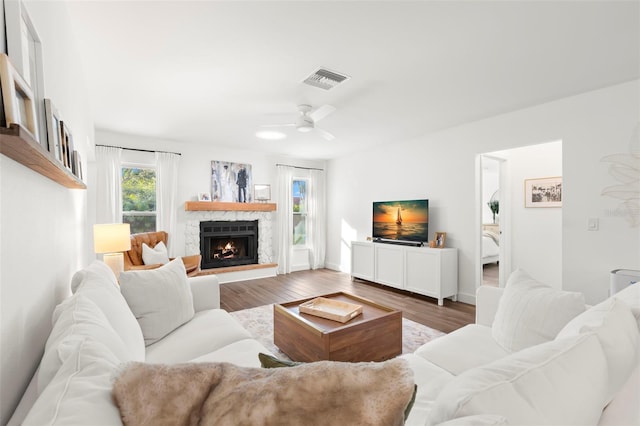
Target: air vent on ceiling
[[325, 79]]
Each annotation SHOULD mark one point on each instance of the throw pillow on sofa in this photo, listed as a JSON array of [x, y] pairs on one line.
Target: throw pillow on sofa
[[160, 299], [561, 382], [76, 318], [80, 391], [98, 283], [617, 331], [155, 255], [530, 312]]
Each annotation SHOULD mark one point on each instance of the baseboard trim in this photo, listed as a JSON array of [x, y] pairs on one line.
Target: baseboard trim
[[467, 298], [333, 267]]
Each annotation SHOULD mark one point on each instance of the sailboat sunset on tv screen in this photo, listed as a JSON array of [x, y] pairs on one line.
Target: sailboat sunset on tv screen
[[401, 220]]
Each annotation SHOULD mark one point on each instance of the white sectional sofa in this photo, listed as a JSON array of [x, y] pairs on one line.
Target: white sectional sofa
[[94, 331], [535, 356]]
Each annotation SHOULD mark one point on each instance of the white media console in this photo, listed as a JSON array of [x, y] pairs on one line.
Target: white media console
[[428, 271]]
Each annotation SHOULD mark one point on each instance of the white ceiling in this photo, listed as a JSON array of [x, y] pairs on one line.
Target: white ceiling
[[212, 72]]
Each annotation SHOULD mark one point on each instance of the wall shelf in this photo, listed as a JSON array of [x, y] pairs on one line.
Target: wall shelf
[[18, 144], [199, 206]]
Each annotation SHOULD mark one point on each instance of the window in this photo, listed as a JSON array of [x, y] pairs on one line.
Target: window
[[299, 212], [139, 198]]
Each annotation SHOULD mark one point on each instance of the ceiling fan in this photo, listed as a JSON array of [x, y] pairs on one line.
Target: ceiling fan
[[307, 119]]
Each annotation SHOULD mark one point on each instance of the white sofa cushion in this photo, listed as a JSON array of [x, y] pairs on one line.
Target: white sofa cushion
[[80, 392], [631, 296], [463, 349], [207, 332], [477, 420], [616, 328], [561, 382], [530, 312], [98, 283], [243, 353], [76, 318], [155, 255], [160, 299], [430, 380]]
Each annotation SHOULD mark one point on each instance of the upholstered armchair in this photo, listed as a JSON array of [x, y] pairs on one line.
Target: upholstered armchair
[[133, 257]]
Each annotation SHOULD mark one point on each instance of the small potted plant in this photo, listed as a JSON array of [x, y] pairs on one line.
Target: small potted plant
[[494, 206]]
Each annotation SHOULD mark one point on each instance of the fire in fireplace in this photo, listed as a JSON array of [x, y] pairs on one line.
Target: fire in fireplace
[[224, 243]]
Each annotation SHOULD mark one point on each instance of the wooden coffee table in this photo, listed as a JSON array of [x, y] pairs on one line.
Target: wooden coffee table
[[376, 335]]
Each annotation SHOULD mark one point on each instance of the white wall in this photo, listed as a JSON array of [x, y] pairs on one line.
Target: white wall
[[195, 167], [441, 167], [43, 226], [535, 233]]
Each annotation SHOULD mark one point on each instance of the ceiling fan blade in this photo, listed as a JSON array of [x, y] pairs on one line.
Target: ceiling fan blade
[[328, 136], [279, 125], [321, 112]]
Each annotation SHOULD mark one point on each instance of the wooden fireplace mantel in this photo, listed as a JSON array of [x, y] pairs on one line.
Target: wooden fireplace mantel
[[199, 206]]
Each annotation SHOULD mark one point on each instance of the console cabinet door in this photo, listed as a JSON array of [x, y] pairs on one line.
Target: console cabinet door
[[362, 259], [389, 265], [423, 272]]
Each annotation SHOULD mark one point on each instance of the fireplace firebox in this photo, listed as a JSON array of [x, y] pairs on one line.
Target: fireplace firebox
[[225, 243]]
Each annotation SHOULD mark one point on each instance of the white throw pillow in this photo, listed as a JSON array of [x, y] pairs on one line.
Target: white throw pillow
[[616, 328], [98, 283], [80, 392], [160, 298], [76, 318], [530, 312], [153, 256], [561, 382]]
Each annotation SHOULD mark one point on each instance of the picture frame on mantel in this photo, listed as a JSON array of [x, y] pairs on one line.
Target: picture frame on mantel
[[17, 99], [440, 239], [261, 192]]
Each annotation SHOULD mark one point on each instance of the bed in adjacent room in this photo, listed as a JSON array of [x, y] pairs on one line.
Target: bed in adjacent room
[[490, 247]]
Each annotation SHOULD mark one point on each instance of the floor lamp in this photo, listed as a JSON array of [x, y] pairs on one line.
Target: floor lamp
[[111, 239]]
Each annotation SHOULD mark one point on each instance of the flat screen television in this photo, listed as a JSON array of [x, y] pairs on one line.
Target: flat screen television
[[401, 221]]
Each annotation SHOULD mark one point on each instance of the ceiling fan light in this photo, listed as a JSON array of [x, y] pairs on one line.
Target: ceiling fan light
[[270, 135], [305, 128]]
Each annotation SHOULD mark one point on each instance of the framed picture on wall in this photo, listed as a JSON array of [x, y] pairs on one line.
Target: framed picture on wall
[[543, 192]]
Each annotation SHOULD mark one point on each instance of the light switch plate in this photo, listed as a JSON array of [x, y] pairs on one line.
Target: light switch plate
[[593, 224]]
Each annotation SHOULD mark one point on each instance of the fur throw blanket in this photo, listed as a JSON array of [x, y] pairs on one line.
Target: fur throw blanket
[[319, 393]]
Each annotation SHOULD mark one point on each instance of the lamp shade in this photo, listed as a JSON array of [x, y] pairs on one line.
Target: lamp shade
[[111, 237]]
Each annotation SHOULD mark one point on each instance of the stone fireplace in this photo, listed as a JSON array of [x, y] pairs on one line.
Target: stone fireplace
[[228, 243], [264, 236]]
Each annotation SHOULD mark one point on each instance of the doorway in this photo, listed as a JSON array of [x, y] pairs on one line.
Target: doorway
[[490, 207], [529, 238]]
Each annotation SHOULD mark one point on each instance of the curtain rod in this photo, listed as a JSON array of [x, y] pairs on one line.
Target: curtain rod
[[136, 149], [297, 167]]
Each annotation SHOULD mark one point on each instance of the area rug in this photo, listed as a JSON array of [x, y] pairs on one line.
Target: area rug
[[259, 322]]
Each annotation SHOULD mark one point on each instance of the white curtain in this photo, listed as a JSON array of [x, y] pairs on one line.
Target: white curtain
[[316, 231], [284, 197], [108, 187], [166, 195]]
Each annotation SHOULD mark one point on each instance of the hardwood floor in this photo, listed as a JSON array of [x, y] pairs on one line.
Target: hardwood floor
[[490, 274], [299, 285]]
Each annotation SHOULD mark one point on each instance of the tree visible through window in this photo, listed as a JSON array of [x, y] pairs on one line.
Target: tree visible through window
[[299, 212], [139, 198]]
